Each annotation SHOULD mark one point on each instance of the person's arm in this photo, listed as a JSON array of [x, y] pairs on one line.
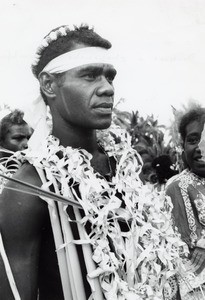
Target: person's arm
[[21, 219], [179, 211]]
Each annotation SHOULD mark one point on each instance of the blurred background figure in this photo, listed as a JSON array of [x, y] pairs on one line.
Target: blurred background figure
[[148, 174], [164, 168], [156, 145], [187, 193], [14, 133]]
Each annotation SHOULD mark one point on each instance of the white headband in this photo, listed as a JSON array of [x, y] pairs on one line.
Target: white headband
[[78, 57]]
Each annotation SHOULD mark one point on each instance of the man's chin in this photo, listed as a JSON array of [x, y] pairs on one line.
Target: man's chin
[[104, 126], [200, 172]]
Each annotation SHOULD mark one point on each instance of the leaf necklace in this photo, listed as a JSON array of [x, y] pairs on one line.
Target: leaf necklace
[[108, 176]]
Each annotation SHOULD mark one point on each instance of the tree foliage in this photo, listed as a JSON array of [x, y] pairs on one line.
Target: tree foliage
[[148, 136]]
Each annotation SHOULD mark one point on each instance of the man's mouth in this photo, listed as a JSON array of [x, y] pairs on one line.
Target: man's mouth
[[104, 108], [105, 105], [199, 159]]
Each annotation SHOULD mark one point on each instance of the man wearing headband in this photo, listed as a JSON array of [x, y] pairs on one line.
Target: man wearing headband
[[76, 82], [77, 238]]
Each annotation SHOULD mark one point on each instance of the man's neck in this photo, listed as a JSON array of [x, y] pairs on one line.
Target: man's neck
[[5, 152], [76, 137], [85, 139]]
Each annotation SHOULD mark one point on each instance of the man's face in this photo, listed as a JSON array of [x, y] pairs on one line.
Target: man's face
[[191, 150], [86, 95], [17, 137]]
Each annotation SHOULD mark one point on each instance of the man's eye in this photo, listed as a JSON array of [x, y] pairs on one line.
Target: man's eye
[[18, 138], [193, 140], [110, 78], [90, 76]]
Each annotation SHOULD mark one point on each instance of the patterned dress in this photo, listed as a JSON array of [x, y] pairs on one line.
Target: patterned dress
[[187, 192]]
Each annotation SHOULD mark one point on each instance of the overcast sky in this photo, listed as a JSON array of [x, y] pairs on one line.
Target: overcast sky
[[160, 45]]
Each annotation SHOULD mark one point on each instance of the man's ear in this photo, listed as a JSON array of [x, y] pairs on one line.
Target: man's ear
[[47, 83]]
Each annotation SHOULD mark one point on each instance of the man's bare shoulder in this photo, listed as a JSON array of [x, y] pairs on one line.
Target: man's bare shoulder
[[28, 174], [22, 218], [18, 203]]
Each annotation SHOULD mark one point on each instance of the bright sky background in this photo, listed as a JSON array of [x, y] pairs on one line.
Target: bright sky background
[[160, 43]]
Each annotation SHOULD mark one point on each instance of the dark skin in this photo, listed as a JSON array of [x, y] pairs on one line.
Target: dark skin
[[21, 244], [24, 219], [17, 137], [192, 155]]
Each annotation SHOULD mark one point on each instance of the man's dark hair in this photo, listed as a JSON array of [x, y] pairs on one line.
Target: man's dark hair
[[65, 43], [79, 35], [195, 114], [13, 118]]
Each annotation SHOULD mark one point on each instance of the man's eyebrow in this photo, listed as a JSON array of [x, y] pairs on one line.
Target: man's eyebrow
[[192, 134], [96, 69], [90, 68]]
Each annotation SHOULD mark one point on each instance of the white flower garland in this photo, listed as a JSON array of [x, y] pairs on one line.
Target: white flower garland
[[143, 258]]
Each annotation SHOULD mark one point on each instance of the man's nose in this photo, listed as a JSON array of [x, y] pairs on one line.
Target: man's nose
[[24, 144], [105, 88], [197, 149]]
